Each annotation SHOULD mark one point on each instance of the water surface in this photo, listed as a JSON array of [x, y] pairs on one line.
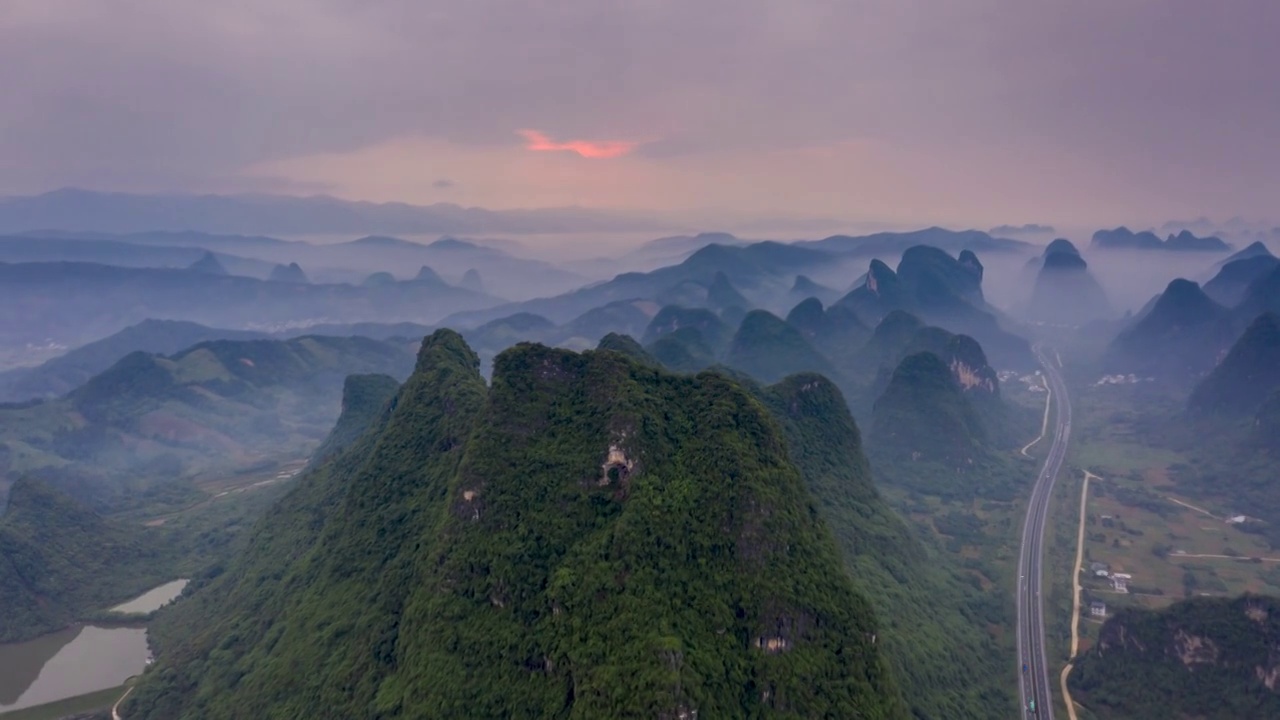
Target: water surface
[[80, 659], [153, 599]]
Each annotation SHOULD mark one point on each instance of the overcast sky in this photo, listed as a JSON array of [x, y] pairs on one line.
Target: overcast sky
[[972, 112]]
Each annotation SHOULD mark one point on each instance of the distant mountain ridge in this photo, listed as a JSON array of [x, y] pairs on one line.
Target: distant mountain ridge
[[88, 210], [1122, 238], [62, 374], [943, 290], [151, 419], [80, 302]]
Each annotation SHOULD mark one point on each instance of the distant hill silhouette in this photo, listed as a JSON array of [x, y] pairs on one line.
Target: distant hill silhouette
[[768, 349], [1230, 285], [1065, 292], [288, 273], [209, 265], [1248, 374], [471, 281], [1122, 238], [1181, 337], [942, 290], [804, 287], [62, 374]]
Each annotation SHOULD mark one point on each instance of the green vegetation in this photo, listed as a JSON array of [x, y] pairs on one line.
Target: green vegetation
[[588, 538], [672, 318], [1210, 658], [62, 374], [124, 437], [936, 622], [60, 561], [364, 397], [767, 348], [628, 346], [926, 436]]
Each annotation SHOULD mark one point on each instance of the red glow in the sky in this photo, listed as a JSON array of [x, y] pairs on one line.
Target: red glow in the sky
[[594, 149]]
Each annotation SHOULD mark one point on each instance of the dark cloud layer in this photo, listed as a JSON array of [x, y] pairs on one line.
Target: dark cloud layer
[[1181, 96]]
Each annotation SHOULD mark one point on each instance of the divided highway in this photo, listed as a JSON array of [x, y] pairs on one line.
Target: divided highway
[[1033, 668]]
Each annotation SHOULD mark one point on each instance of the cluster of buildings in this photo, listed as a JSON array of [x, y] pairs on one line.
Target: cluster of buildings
[[1119, 584], [1129, 379]]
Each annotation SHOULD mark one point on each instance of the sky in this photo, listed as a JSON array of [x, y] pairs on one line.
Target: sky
[[974, 113]]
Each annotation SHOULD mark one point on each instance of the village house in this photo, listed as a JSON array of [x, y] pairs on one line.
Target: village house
[[1098, 609]]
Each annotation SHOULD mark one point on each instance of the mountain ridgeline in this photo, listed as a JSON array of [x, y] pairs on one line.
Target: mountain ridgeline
[[149, 420], [942, 290], [588, 537]]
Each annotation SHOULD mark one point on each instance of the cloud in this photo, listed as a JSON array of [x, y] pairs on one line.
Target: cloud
[[443, 184], [594, 149], [1151, 105]]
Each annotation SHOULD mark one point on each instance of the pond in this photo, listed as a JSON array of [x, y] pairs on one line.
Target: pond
[[80, 659]]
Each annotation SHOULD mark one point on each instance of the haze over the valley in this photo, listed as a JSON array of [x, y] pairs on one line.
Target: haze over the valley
[[672, 359]]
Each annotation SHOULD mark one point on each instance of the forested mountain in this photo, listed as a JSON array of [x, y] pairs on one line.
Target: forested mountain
[[61, 374], [364, 398], [942, 290], [1212, 658], [58, 559], [589, 537], [1179, 339], [932, 616], [767, 348], [154, 418], [923, 415], [1246, 376]]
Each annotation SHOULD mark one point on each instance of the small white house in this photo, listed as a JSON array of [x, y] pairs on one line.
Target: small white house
[[1097, 609]]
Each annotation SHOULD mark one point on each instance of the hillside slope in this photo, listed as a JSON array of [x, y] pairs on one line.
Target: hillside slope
[[153, 418], [588, 538], [59, 560], [1210, 658]]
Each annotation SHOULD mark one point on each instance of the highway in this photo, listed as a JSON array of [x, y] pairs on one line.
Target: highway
[[1034, 681]]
